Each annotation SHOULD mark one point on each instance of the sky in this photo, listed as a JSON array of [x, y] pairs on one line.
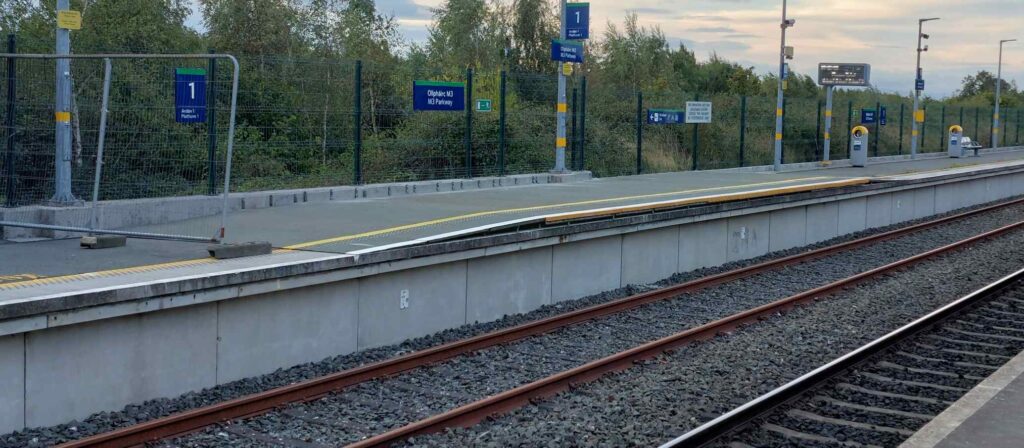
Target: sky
[[882, 33]]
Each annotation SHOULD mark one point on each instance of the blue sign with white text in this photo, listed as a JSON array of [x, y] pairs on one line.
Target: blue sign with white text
[[919, 84], [881, 116], [190, 95], [566, 51], [867, 116], [577, 21], [437, 95], [664, 116]]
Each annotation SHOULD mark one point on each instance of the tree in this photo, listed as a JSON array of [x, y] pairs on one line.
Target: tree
[[534, 25], [638, 56], [465, 34]]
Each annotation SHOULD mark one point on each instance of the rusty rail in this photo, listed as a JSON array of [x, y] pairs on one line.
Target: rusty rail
[[192, 420]]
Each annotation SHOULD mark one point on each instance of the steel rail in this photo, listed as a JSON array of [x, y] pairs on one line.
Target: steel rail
[[739, 416], [191, 420], [475, 412]]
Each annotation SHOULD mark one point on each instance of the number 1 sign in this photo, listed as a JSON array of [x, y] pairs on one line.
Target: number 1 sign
[[577, 21], [190, 95]]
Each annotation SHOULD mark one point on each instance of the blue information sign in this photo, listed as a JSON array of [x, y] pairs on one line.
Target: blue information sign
[[867, 116], [190, 95], [566, 51], [881, 116], [436, 95], [664, 116], [919, 84], [577, 21]]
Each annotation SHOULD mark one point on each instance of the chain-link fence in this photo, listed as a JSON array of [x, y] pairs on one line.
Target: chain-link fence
[[137, 162]]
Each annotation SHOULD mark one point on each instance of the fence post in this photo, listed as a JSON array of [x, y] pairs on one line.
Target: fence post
[[943, 143], [469, 123], [696, 138], [849, 126], [961, 123], [782, 155], [11, 85], [501, 126], [357, 125], [817, 133], [583, 124], [1017, 137], [639, 131], [572, 130], [977, 120], [924, 125], [878, 125], [743, 127], [901, 128], [211, 126]]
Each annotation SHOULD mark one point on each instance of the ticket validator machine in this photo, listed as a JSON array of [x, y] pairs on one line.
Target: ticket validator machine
[[859, 146], [956, 149]]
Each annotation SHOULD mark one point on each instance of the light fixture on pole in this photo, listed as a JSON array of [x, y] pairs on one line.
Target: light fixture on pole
[[996, 131], [918, 87], [783, 55]]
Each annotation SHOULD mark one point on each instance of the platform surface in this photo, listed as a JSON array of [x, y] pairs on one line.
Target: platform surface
[[340, 227], [991, 415]]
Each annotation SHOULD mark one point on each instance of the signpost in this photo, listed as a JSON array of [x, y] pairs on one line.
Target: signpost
[[190, 95], [698, 112], [566, 51], [438, 95], [867, 116], [577, 21], [664, 116], [832, 74]]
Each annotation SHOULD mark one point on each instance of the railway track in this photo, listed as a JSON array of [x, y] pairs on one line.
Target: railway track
[[881, 393], [463, 382]]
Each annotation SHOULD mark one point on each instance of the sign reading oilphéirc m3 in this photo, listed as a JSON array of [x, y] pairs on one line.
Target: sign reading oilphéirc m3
[[566, 51], [438, 95], [190, 95]]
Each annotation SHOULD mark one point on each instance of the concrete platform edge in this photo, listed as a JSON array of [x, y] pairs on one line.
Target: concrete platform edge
[[949, 420]]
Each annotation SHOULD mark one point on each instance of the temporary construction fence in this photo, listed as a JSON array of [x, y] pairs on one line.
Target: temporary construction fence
[[142, 158]]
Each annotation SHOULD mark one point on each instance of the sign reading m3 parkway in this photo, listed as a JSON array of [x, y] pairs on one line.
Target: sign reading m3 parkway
[[438, 95], [566, 51]]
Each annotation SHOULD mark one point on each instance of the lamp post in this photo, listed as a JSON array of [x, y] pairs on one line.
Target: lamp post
[[786, 23], [996, 131], [918, 86]]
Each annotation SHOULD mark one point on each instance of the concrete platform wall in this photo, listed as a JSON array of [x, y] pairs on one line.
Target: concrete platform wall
[[107, 364]]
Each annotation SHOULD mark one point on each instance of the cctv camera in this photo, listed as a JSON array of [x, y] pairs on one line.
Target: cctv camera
[[924, 36]]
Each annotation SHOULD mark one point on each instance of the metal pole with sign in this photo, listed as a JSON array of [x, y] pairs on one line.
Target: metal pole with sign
[[66, 21], [561, 107], [996, 133], [918, 87], [830, 75], [786, 23]]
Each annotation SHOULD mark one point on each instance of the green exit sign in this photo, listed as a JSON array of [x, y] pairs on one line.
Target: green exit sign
[[483, 105]]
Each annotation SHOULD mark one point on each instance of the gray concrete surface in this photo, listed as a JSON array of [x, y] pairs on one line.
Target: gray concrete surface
[[991, 415], [289, 224], [219, 320]]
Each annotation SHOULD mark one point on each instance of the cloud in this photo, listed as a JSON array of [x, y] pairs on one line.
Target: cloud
[[651, 11], [713, 29], [404, 9]]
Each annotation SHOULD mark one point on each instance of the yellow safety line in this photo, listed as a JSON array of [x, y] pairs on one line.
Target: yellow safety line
[[528, 209], [703, 200], [208, 260]]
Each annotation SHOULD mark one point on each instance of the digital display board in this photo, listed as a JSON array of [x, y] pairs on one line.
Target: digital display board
[[844, 74]]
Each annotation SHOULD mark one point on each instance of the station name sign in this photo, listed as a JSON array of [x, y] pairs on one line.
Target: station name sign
[[566, 51], [437, 95], [844, 74]]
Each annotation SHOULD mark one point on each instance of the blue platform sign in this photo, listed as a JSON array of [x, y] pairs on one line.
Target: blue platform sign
[[919, 84], [566, 51], [190, 95], [881, 116], [437, 95], [577, 21], [664, 116], [867, 116]]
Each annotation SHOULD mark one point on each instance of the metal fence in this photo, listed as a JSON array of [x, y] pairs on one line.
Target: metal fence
[[130, 164], [313, 122]]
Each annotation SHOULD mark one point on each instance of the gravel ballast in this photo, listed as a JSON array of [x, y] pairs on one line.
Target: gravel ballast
[[669, 395], [445, 386], [450, 384]]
